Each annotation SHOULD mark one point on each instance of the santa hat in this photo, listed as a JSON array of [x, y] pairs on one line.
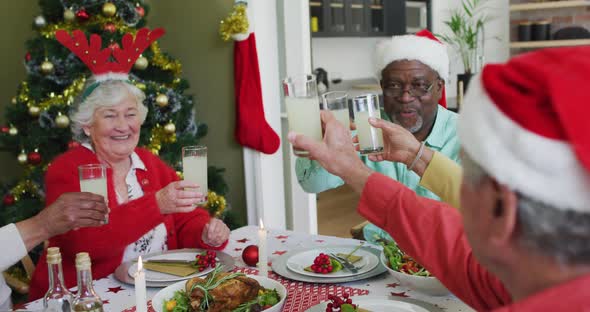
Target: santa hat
[[422, 47], [525, 122]]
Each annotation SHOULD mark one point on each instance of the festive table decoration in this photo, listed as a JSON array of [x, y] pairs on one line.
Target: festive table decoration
[[140, 290], [252, 130], [250, 255]]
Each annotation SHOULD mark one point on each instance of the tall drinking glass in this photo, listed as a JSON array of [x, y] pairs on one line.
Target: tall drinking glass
[[337, 103], [303, 107], [370, 138], [93, 179], [194, 168]]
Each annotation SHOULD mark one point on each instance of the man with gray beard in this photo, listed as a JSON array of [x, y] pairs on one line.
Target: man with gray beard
[[413, 71]]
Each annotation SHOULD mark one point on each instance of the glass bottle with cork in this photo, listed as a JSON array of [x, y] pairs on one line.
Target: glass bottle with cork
[[58, 298], [86, 299]]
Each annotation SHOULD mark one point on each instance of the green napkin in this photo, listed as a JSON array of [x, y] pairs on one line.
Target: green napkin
[[177, 269]]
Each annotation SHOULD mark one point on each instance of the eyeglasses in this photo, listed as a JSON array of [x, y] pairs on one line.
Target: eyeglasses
[[417, 89]]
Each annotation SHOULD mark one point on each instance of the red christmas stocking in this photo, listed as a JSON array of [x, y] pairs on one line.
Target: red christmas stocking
[[252, 130]]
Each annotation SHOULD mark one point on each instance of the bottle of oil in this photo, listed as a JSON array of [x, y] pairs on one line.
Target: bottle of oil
[[86, 299], [58, 298]]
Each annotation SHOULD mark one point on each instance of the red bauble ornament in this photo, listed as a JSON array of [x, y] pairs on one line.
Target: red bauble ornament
[[140, 10], [8, 200], [28, 56], [110, 27], [250, 255], [82, 15], [34, 158], [73, 144], [4, 129]]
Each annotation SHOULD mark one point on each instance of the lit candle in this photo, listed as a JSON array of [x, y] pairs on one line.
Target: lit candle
[[262, 258], [140, 290]]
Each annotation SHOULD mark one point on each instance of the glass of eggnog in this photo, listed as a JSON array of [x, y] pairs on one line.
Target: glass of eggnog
[[370, 138], [194, 168], [337, 103], [93, 179], [303, 107]]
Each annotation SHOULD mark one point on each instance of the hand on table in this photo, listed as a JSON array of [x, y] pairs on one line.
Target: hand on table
[[215, 233], [179, 196]]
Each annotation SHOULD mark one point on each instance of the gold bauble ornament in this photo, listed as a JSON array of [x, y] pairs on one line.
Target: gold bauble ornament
[[34, 111], [46, 67], [141, 63], [14, 100], [141, 86], [22, 158], [62, 121], [69, 15], [162, 100], [170, 128], [109, 9], [155, 151], [13, 131]]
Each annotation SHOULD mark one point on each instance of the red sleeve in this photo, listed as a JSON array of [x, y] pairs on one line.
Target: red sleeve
[[432, 233]]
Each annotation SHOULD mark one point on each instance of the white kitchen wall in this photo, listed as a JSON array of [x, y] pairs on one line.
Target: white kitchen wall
[[353, 57], [497, 35]]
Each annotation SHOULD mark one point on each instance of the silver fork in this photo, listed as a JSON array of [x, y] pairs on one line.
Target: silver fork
[[345, 263]]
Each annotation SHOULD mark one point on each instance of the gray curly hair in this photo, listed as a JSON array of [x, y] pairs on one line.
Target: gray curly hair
[[107, 93], [553, 231]]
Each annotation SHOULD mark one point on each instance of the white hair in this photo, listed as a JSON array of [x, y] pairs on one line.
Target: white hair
[[554, 231], [107, 93]]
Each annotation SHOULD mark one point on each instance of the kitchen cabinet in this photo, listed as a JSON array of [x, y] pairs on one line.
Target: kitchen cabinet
[[357, 18], [547, 6]]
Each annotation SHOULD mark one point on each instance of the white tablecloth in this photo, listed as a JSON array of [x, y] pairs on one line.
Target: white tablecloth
[[118, 296]]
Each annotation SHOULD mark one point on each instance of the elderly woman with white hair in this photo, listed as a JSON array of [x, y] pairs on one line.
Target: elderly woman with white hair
[[150, 209]]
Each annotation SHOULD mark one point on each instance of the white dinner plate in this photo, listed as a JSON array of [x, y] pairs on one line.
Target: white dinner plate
[[299, 261], [153, 276], [384, 304], [168, 292]]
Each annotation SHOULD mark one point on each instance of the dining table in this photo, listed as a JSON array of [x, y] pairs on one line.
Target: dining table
[[120, 296]]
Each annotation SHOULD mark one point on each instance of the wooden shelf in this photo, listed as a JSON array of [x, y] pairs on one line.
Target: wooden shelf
[[548, 43], [376, 7], [549, 5], [315, 4]]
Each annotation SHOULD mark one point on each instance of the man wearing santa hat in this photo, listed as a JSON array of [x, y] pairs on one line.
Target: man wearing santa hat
[[413, 70], [521, 240]]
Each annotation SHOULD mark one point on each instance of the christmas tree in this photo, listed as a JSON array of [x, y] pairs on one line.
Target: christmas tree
[[38, 123]]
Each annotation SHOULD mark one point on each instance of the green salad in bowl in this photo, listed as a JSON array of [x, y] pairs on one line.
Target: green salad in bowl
[[408, 272]]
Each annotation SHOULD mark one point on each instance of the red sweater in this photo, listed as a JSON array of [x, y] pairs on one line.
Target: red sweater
[[432, 233], [127, 222]]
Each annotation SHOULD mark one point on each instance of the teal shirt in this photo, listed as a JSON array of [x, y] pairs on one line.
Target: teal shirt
[[443, 138]]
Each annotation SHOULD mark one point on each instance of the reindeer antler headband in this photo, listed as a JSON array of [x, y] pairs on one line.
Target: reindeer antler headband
[[99, 61]]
